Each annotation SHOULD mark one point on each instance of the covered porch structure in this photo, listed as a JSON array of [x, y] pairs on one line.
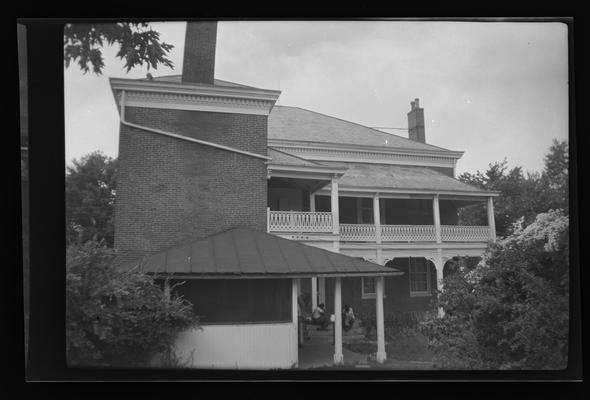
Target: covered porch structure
[[245, 283]]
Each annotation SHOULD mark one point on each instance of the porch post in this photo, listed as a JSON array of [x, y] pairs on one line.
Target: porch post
[[314, 293], [312, 202], [491, 219], [436, 212], [381, 355], [335, 212], [267, 219], [294, 312], [338, 356], [439, 266], [377, 218]]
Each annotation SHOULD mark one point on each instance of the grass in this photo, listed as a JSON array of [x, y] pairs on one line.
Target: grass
[[409, 346]]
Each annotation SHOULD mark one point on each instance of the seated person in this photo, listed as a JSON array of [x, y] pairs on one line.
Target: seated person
[[347, 317], [319, 317]]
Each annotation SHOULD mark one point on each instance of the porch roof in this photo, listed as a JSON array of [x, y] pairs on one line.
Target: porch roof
[[398, 177], [248, 253]]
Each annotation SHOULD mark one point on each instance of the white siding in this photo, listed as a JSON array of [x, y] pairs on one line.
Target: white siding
[[251, 346]]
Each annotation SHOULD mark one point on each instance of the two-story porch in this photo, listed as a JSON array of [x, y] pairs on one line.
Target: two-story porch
[[383, 213]]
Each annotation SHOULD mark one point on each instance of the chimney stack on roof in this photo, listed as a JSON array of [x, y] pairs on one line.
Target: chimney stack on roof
[[198, 65], [416, 131]]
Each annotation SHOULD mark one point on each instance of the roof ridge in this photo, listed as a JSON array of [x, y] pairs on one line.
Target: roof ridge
[[373, 130]]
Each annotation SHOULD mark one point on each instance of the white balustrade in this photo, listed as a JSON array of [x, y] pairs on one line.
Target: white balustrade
[[408, 233], [460, 233], [299, 221], [357, 232]]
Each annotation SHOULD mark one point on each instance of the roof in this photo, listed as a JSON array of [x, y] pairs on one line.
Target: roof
[[245, 252], [280, 157], [293, 123], [401, 177], [178, 79]]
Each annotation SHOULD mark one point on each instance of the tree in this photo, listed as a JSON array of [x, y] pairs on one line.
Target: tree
[[117, 318], [522, 195], [511, 311], [138, 44], [90, 197]]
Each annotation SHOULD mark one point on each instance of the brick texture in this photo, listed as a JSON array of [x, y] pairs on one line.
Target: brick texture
[[170, 191], [198, 64]]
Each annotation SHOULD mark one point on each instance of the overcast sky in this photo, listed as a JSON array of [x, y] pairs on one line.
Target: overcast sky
[[493, 90]]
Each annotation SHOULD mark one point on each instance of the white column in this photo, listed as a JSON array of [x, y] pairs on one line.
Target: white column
[[338, 356], [294, 294], [377, 218], [381, 355], [436, 212], [267, 219], [314, 293], [322, 290], [491, 219], [312, 202], [335, 219], [336, 246], [439, 266]]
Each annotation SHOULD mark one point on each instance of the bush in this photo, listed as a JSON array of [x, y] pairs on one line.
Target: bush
[[511, 311], [117, 318]]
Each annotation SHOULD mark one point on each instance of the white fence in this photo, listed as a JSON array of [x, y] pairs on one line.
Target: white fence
[[459, 233], [299, 221], [357, 232]]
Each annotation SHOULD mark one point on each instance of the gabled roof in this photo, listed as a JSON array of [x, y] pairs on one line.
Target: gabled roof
[[402, 177], [293, 123], [245, 252]]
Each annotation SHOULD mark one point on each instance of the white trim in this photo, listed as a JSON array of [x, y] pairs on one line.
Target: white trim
[[349, 191], [149, 94]]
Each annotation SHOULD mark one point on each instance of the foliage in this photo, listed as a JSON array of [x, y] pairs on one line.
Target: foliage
[[138, 44], [510, 311], [90, 198], [115, 317], [522, 196]]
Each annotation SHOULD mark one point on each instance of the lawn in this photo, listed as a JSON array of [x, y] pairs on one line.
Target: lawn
[[408, 346]]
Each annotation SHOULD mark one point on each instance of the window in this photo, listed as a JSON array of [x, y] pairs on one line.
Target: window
[[365, 210], [419, 277], [369, 288]]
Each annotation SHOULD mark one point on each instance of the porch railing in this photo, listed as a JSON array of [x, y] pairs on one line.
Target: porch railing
[[459, 233], [299, 221], [408, 233], [357, 232]]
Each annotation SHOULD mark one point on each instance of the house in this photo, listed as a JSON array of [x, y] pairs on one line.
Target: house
[[253, 204]]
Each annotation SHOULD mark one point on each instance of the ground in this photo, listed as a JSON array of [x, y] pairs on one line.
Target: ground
[[405, 351]]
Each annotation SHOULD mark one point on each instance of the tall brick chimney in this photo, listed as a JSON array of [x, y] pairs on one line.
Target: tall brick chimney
[[198, 65], [416, 122]]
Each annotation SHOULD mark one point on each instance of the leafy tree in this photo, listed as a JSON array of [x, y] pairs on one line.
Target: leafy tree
[[511, 311], [90, 198], [138, 44], [117, 318], [522, 195]]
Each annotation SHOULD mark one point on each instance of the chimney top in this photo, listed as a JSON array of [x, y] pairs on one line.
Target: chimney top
[[416, 128], [198, 65]]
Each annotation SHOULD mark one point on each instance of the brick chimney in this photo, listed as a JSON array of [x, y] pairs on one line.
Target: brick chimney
[[198, 65], [416, 122]]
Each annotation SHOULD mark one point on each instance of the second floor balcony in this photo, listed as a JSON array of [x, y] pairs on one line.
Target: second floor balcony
[[322, 222]]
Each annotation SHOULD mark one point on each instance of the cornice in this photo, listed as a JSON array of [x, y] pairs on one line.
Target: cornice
[[149, 94]]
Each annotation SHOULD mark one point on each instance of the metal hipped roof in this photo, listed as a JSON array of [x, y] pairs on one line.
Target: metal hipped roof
[[248, 253]]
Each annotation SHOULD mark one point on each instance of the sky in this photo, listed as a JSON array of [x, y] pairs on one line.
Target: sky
[[494, 90]]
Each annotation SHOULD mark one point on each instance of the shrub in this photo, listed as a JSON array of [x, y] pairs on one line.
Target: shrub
[[511, 311], [114, 317]]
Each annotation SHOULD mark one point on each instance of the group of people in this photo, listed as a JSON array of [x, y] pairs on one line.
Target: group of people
[[319, 317]]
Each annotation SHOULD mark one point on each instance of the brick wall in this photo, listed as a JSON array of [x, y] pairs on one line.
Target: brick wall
[[170, 190]]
